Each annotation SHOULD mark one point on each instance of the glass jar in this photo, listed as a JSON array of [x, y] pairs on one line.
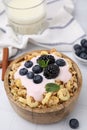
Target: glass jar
[[26, 16]]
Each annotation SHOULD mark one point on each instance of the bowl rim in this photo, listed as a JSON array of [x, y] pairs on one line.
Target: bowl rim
[[44, 110]]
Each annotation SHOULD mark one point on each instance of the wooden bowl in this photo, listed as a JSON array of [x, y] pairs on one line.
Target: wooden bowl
[[46, 115]]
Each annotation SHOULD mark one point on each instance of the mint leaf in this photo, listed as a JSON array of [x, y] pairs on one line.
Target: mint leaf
[[52, 87], [43, 63]]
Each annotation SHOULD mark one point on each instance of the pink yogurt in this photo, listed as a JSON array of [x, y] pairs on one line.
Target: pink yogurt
[[37, 90]]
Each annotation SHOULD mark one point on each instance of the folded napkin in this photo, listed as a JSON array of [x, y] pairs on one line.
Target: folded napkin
[[62, 32]]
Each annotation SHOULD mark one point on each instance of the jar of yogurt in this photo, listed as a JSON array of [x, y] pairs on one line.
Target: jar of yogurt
[[26, 16]]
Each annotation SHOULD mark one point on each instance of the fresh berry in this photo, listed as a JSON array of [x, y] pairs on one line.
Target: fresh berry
[[46, 58], [37, 79], [23, 71], [83, 55], [86, 50], [51, 71], [43, 57], [51, 59], [73, 123], [83, 41], [77, 46], [77, 52], [30, 75], [60, 62], [37, 69], [83, 49], [28, 64], [85, 45]]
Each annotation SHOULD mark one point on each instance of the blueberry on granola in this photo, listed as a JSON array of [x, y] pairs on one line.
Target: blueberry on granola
[[23, 71], [60, 62], [28, 64], [51, 71], [37, 79], [30, 75], [37, 69]]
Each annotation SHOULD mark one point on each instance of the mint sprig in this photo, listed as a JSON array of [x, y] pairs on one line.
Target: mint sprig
[[43, 63], [52, 87]]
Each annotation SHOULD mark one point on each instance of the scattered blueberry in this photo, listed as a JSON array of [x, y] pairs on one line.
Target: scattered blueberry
[[60, 62], [30, 75], [37, 79], [77, 46], [73, 123], [37, 69], [83, 41], [23, 71], [28, 64], [83, 55]]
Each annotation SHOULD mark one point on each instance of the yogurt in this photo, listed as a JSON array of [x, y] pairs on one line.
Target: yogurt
[[37, 90]]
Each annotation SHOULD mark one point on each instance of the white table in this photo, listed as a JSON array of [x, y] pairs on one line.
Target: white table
[[9, 120]]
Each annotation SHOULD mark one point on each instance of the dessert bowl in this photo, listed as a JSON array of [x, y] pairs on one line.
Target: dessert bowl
[[49, 110]]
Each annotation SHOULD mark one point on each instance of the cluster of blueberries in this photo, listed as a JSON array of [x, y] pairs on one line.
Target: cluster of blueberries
[[81, 49], [50, 71]]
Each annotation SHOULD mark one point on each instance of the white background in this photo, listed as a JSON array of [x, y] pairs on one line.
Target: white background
[[9, 120]]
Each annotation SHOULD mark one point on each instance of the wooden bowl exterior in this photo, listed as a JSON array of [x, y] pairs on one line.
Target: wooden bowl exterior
[[48, 115]]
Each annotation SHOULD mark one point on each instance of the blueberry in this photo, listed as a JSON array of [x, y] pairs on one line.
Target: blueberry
[[28, 64], [86, 50], [60, 62], [83, 41], [73, 123], [23, 71], [77, 46], [37, 79], [37, 69], [83, 49], [85, 45], [78, 52], [30, 75], [83, 55]]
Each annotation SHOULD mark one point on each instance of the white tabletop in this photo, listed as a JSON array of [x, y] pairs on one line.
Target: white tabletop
[[9, 120]]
